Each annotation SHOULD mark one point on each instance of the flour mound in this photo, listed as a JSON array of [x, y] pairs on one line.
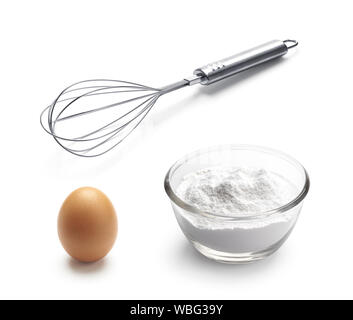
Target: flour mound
[[234, 190]]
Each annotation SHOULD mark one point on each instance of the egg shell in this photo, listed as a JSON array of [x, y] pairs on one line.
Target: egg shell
[[87, 224]]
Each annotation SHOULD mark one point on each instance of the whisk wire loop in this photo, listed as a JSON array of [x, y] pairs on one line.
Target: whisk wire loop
[[127, 113]]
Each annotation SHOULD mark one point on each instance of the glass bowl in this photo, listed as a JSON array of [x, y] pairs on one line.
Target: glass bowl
[[237, 238]]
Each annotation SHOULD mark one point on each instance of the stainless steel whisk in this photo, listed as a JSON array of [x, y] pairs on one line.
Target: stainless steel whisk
[[109, 120]]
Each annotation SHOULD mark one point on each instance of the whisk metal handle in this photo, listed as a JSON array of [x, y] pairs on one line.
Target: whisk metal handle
[[242, 61]]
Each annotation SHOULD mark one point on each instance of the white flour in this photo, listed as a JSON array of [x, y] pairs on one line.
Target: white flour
[[234, 192]]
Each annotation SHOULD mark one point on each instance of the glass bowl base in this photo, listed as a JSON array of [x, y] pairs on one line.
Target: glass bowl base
[[235, 258]]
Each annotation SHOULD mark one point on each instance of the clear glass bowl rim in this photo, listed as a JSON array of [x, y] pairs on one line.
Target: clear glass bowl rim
[[236, 217]]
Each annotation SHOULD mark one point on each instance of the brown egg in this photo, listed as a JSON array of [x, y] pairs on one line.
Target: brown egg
[[87, 224]]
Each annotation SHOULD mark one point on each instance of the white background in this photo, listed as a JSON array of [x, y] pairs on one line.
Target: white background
[[301, 105]]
